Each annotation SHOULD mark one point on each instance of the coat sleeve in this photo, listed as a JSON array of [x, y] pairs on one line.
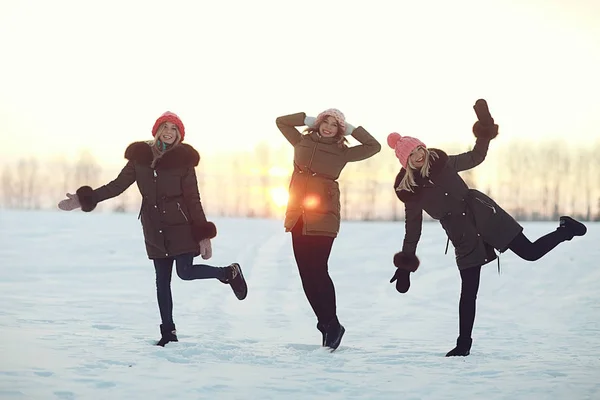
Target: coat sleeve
[[287, 124], [472, 158], [369, 146], [201, 228], [89, 198], [413, 223]]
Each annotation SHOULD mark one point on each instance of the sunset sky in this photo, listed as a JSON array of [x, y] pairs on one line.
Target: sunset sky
[[95, 75]]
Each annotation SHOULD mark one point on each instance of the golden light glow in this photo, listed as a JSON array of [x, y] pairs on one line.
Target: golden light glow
[[311, 201], [279, 196], [278, 171]]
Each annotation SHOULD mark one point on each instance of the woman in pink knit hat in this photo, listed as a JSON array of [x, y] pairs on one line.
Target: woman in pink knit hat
[[475, 224], [313, 210], [174, 225]]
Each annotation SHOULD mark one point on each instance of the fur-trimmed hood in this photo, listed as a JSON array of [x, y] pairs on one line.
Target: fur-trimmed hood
[[181, 156], [436, 167]]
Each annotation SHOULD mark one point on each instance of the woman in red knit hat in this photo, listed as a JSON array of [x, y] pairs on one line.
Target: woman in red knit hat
[[174, 225], [475, 224]]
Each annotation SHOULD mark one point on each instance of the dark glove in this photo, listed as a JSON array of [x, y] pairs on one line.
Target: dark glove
[[483, 113], [485, 132], [405, 264]]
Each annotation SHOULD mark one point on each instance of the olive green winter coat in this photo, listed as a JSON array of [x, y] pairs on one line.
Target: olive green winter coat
[[172, 217], [314, 193]]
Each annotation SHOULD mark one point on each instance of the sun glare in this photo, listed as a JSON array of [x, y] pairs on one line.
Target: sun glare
[[279, 195], [311, 202]]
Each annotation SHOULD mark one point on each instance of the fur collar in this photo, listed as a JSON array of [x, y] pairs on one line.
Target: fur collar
[[181, 156], [436, 167]]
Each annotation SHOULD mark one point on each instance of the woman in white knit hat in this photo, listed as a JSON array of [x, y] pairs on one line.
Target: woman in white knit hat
[[313, 210]]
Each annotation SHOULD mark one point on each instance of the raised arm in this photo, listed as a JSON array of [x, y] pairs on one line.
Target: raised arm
[[201, 228], [89, 198], [474, 157], [369, 145], [287, 124]]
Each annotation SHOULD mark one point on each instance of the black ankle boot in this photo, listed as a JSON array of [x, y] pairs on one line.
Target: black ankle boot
[[321, 329], [463, 347], [333, 334], [235, 278], [168, 334], [571, 228]]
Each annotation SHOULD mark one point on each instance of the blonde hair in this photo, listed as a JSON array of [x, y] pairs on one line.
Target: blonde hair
[[408, 180], [159, 131], [157, 152]]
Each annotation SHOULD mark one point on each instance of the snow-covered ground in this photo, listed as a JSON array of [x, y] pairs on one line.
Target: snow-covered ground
[[78, 318]]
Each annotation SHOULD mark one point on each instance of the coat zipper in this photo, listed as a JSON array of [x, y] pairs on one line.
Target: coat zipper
[[182, 213], [306, 187], [486, 204]]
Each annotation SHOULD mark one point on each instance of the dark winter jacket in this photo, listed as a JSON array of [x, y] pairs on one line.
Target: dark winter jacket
[[473, 222], [314, 193], [172, 216]]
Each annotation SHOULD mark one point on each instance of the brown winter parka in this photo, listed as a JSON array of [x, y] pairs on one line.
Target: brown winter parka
[[172, 217], [314, 193], [473, 222]]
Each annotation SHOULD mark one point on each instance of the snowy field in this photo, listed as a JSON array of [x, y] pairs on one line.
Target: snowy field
[[79, 318]]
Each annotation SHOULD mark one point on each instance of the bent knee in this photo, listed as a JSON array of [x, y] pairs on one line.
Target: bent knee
[[184, 273]]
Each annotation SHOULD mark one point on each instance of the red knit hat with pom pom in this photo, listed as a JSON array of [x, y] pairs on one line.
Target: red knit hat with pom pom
[[172, 118], [403, 146]]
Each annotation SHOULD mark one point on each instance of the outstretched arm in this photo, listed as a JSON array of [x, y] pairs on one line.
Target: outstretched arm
[[369, 145], [287, 125], [88, 198], [474, 157]]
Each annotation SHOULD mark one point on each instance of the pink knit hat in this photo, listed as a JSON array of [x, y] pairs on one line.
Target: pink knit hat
[[403, 146], [335, 113], [172, 118]]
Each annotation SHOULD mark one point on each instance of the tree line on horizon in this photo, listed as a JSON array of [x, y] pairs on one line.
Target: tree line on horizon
[[534, 181]]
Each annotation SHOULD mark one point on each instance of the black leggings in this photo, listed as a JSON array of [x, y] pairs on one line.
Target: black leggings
[[468, 298], [312, 254], [187, 271], [522, 247]]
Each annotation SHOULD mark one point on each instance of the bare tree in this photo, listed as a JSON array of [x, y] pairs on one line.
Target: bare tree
[[60, 181], [8, 188], [237, 181], [541, 171], [27, 184], [262, 153], [369, 169], [86, 170]]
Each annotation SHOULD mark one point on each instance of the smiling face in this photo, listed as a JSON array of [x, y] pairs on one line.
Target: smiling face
[[329, 127], [168, 133], [417, 157]]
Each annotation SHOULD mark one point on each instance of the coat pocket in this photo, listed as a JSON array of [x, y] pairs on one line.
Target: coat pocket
[[175, 212], [483, 208], [182, 212]]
